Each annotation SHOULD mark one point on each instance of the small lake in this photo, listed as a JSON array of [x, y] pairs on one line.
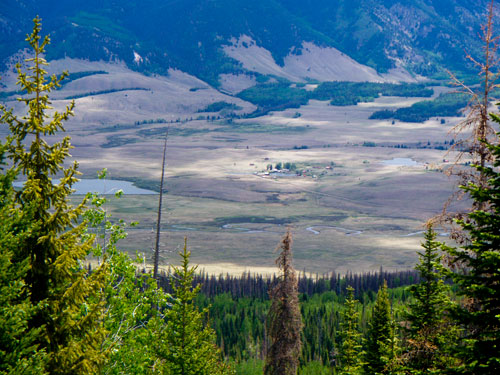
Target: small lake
[[101, 186], [403, 162]]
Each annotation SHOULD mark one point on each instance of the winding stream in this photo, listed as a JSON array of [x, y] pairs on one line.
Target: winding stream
[[348, 232], [314, 229]]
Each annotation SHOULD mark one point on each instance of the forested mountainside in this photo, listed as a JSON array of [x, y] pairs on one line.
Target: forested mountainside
[[422, 36]]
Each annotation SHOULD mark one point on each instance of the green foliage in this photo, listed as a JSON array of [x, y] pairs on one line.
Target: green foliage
[[77, 75], [430, 332], [478, 273], [380, 334], [383, 114], [349, 357], [352, 93], [314, 368], [219, 106], [249, 367], [239, 320], [281, 95], [68, 307], [130, 318], [275, 96], [185, 344], [18, 350], [449, 104]]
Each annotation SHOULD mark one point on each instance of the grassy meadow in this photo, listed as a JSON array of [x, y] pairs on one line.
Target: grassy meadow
[[351, 209], [350, 212]]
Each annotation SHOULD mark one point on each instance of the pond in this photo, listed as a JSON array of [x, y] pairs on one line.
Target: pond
[[403, 162], [101, 186]]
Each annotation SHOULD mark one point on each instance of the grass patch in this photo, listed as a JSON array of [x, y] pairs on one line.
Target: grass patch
[[71, 77], [324, 218], [178, 132], [227, 127], [116, 127], [220, 221], [143, 183], [74, 76], [117, 141], [234, 127], [103, 92]]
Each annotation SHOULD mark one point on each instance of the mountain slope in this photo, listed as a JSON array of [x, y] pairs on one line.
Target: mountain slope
[[423, 36]]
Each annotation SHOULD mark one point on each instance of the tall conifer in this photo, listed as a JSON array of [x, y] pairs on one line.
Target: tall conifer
[[350, 350], [284, 318], [186, 344], [430, 331], [68, 307], [18, 350], [478, 274], [380, 335]]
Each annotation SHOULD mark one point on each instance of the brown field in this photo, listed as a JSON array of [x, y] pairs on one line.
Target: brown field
[[365, 213]]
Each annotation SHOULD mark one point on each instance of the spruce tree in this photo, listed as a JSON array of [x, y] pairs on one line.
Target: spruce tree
[[378, 346], [186, 344], [284, 319], [68, 308], [350, 349], [429, 332], [18, 350], [478, 273]]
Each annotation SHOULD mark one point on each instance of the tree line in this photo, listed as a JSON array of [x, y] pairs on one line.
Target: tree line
[[257, 286]]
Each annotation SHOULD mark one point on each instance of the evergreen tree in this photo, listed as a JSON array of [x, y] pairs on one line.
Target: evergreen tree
[[284, 318], [68, 306], [430, 332], [186, 344], [378, 347], [350, 350], [18, 351], [478, 273]]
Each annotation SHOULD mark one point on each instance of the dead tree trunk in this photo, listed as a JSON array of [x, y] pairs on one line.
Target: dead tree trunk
[[158, 222]]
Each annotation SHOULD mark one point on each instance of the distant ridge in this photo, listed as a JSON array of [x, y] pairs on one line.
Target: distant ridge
[[304, 39]]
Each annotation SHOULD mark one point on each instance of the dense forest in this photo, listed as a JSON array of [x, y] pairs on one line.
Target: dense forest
[[59, 317], [445, 105], [280, 95]]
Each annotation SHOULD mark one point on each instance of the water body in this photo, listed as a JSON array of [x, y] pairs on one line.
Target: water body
[[413, 233], [401, 162], [444, 234], [316, 230], [95, 185], [241, 229], [348, 232]]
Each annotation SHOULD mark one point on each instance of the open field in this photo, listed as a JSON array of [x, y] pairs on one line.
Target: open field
[[350, 211]]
